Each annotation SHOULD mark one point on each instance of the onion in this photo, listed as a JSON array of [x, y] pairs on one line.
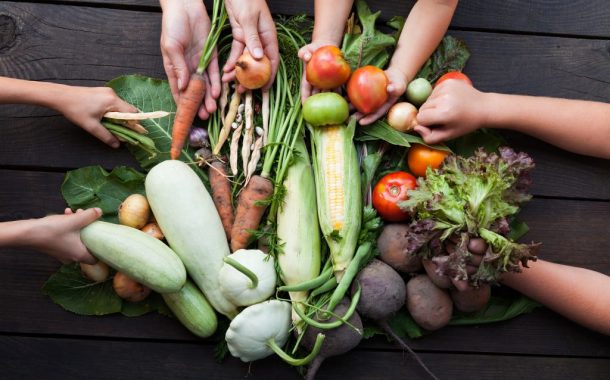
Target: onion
[[402, 116], [128, 289], [134, 211], [252, 74], [153, 230], [198, 138], [97, 272]]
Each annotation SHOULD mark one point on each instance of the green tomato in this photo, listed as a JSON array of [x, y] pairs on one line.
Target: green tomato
[[325, 108], [418, 91]]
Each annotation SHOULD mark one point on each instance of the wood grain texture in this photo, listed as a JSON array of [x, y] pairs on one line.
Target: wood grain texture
[[72, 359], [557, 223]]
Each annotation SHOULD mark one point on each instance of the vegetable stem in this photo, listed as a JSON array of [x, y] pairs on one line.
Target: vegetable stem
[[340, 320], [348, 276], [297, 362], [308, 285], [245, 271]]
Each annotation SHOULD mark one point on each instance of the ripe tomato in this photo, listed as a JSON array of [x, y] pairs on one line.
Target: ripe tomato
[[325, 108], [367, 89], [453, 75], [327, 69], [421, 156], [389, 192]]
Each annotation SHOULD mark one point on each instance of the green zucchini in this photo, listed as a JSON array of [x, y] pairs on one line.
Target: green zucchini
[[192, 309]]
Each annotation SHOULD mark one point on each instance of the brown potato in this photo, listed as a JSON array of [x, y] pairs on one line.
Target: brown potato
[[471, 299], [430, 306], [392, 245]]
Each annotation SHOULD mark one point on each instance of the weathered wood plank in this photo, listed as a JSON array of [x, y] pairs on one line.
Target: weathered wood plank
[[573, 233], [580, 17], [49, 51], [95, 359]]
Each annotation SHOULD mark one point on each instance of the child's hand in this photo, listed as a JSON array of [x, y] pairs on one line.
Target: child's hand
[[453, 109], [396, 87], [185, 28], [85, 107], [305, 54], [252, 28], [59, 235]]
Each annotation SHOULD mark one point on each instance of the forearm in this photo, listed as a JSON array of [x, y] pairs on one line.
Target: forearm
[[330, 18], [18, 233], [424, 29], [19, 91], [576, 293], [575, 125]]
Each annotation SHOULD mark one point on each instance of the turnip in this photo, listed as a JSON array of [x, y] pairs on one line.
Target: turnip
[[338, 340], [383, 294], [472, 299], [429, 305], [393, 249]]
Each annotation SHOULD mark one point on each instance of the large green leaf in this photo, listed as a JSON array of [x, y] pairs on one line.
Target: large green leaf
[[74, 292], [149, 94], [380, 130], [92, 186]]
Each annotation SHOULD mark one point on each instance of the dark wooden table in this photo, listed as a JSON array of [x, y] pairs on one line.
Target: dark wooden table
[[554, 48]]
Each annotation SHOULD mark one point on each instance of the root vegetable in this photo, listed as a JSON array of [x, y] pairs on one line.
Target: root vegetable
[[402, 116], [393, 249], [430, 306], [97, 272], [129, 289], [188, 105], [252, 73], [153, 230], [477, 246], [250, 210], [338, 340], [134, 211], [442, 281], [221, 194], [472, 299]]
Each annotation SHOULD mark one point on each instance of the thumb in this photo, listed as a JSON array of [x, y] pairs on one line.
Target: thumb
[[87, 217], [253, 41], [305, 53]]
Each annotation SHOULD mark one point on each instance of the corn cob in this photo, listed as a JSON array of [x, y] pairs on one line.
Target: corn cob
[[338, 191]]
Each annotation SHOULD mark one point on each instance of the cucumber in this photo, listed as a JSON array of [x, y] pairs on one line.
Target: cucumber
[[137, 254], [188, 218], [192, 309]]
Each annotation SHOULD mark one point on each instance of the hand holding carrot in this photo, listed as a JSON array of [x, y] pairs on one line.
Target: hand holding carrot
[[185, 28], [253, 28]]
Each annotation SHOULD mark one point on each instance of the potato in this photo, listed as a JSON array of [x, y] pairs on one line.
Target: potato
[[472, 299], [430, 306], [392, 244]]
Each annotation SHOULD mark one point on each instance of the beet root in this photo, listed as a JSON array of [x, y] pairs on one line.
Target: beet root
[[430, 306], [392, 245], [442, 281], [383, 291], [473, 299]]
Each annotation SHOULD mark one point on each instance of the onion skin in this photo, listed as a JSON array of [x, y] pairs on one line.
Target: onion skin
[[134, 211], [97, 272], [153, 230], [402, 116], [252, 74], [128, 289]]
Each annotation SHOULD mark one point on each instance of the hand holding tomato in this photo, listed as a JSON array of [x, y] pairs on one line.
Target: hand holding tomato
[[420, 157], [395, 87], [453, 109], [305, 54], [389, 192]]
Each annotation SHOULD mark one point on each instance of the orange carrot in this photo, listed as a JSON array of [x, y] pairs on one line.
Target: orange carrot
[[221, 194], [249, 212], [188, 104]]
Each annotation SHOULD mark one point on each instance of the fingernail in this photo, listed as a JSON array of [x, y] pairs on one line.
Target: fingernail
[[180, 84], [307, 56], [116, 144], [98, 210], [257, 53]]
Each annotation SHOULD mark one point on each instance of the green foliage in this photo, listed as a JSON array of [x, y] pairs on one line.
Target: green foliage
[[74, 292], [450, 55], [380, 130], [92, 186]]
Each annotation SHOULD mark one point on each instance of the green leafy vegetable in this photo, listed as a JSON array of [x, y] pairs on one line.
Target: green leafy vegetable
[[72, 291], [148, 94], [487, 139], [92, 186], [380, 130], [450, 55]]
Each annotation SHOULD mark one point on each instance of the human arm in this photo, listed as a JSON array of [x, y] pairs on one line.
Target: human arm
[[57, 235], [185, 27], [455, 109], [576, 293], [253, 28], [84, 106], [424, 29], [328, 29]]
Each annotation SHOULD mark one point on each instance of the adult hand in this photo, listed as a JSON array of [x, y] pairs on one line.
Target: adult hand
[[59, 235], [396, 87], [85, 107], [184, 29], [253, 28], [453, 109], [305, 54]]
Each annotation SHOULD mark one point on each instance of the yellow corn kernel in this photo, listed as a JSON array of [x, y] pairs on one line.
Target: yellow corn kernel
[[333, 171]]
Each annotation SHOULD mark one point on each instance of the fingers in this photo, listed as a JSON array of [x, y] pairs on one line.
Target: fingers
[[86, 257], [214, 76], [122, 106], [83, 218], [368, 119], [237, 48], [68, 211], [102, 134], [175, 67], [305, 88], [433, 135], [203, 112], [305, 53], [251, 37]]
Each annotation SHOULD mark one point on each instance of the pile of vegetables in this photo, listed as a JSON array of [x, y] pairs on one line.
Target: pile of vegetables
[[303, 230]]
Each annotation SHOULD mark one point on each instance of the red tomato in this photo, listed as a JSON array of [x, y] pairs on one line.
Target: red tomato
[[453, 75], [389, 192], [367, 89], [421, 156], [327, 69]]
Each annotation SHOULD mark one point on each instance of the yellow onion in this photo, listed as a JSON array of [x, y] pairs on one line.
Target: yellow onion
[[402, 116], [97, 272], [134, 211], [128, 289]]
